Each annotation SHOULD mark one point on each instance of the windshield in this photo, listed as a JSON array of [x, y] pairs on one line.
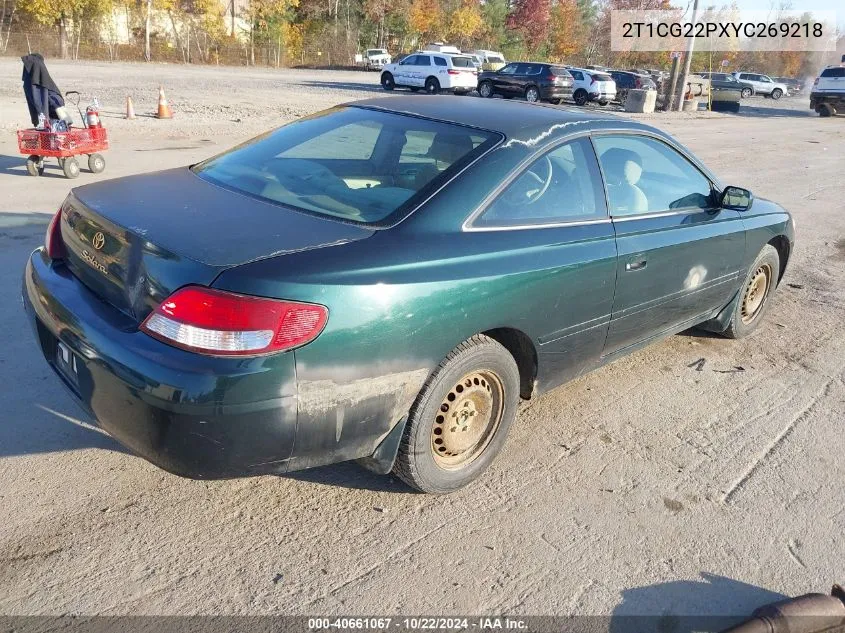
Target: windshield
[[352, 163], [376, 51], [495, 59]]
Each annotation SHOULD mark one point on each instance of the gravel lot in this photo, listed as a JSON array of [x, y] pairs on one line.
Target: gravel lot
[[647, 487]]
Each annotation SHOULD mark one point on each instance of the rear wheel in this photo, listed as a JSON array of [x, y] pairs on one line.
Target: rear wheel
[[581, 97], [387, 81], [35, 165], [777, 93], [96, 163], [760, 283], [532, 94], [485, 89], [71, 168], [746, 92], [461, 417], [825, 110], [432, 86]]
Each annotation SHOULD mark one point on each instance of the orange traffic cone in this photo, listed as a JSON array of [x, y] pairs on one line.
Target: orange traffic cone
[[163, 109], [130, 109]]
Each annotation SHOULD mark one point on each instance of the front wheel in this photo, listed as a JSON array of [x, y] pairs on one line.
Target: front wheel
[[96, 163], [777, 93], [532, 95], [753, 300], [581, 97], [432, 86], [485, 89], [387, 81], [746, 92], [461, 418], [35, 165]]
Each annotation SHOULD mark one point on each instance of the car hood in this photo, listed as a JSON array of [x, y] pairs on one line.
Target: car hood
[[195, 219]]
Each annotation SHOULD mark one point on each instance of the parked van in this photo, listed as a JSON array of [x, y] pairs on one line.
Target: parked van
[[490, 60], [440, 47]]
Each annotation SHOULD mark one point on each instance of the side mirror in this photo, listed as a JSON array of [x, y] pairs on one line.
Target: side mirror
[[736, 198]]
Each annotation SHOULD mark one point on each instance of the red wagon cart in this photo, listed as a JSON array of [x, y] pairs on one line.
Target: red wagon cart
[[66, 146]]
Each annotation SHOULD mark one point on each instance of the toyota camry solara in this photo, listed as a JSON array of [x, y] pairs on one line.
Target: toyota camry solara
[[385, 280]]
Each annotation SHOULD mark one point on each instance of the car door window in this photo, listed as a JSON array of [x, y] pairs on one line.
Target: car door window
[[510, 69], [563, 185], [645, 175], [423, 60], [578, 75], [410, 60]]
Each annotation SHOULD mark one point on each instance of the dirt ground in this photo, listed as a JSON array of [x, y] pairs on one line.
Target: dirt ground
[[656, 485]]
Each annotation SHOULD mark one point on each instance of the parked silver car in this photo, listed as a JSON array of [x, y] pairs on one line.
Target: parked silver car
[[763, 84]]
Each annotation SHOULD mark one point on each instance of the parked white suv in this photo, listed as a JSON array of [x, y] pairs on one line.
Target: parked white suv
[[592, 85], [763, 84], [376, 58], [432, 72], [828, 94]]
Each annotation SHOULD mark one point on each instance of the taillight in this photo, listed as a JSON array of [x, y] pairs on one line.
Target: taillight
[[215, 322], [53, 243], [453, 72], [816, 82], [592, 79], [638, 83]]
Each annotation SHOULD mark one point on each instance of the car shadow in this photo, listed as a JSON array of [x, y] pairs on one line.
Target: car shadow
[[712, 603], [350, 475], [16, 166], [343, 85], [766, 112]]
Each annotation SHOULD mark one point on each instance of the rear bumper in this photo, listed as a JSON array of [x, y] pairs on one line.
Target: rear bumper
[[602, 96], [194, 416], [835, 98], [556, 92]]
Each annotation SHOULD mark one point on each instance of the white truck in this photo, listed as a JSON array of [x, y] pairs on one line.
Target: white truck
[[376, 58], [828, 94]]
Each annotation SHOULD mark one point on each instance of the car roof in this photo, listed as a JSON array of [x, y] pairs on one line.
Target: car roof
[[516, 120]]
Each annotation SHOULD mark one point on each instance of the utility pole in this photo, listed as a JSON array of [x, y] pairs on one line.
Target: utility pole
[[687, 59]]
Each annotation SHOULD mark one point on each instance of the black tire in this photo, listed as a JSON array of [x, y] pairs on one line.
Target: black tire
[[747, 315], [417, 463], [777, 93], [432, 86], [602, 103], [387, 81], [623, 97], [532, 94], [825, 110], [581, 97], [746, 92], [485, 89], [71, 168], [96, 163], [35, 165]]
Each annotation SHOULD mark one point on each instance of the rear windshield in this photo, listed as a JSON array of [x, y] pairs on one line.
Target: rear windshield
[[833, 72], [602, 77], [559, 72], [352, 163], [462, 62]]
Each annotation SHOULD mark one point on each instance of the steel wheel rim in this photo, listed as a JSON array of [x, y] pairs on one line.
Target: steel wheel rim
[[532, 95], [755, 293], [467, 421], [486, 90]]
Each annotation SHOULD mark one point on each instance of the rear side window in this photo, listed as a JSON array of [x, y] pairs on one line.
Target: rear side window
[[833, 72], [439, 61], [564, 185], [343, 163]]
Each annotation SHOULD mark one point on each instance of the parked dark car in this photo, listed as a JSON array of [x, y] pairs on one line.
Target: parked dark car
[[626, 81], [536, 81], [725, 94], [796, 86], [385, 280], [746, 89]]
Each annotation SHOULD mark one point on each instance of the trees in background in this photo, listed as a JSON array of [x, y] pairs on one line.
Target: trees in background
[[323, 32]]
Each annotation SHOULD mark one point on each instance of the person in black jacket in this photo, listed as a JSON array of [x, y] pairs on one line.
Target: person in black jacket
[[42, 94]]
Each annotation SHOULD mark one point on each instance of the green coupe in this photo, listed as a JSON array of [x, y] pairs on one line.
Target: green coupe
[[385, 280]]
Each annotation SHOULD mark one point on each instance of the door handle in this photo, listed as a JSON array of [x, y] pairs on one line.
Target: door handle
[[637, 264]]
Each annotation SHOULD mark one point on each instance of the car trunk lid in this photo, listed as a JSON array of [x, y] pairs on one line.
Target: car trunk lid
[[135, 240]]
